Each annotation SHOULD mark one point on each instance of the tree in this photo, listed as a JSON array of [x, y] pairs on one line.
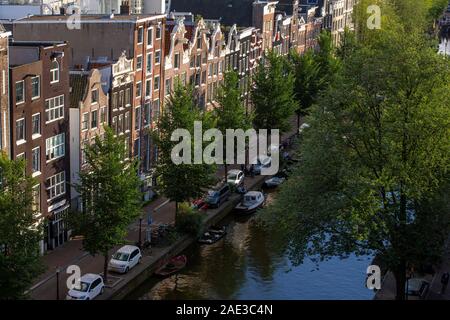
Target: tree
[[110, 192], [308, 82], [376, 159], [184, 181], [230, 113], [273, 94], [20, 230]]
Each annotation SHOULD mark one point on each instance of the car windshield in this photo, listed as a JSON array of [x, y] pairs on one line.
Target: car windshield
[[84, 286], [232, 176], [121, 256]]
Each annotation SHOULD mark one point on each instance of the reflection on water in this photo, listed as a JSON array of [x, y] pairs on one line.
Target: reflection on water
[[246, 265]]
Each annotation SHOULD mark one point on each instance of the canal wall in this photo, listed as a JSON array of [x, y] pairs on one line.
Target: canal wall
[[140, 273]]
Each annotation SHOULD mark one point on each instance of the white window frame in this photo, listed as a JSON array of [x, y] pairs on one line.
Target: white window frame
[[53, 72], [50, 149], [156, 53], [139, 84], [150, 31], [59, 107], [137, 64], [39, 88], [148, 93], [91, 117], [23, 92], [38, 171], [23, 140], [36, 135], [87, 122], [54, 182], [140, 29], [159, 83]]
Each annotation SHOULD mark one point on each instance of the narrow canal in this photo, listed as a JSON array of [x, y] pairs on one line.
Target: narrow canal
[[245, 265]]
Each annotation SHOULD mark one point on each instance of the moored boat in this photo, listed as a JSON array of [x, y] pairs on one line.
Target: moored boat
[[251, 201]]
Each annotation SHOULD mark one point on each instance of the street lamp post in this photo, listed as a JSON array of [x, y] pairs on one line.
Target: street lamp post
[[140, 232], [57, 283]]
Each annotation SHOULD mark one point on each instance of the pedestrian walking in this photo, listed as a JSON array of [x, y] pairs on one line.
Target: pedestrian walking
[[444, 281]]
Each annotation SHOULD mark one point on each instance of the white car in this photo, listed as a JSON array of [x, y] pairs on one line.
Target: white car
[[124, 259], [303, 127], [235, 177], [260, 162], [91, 285]]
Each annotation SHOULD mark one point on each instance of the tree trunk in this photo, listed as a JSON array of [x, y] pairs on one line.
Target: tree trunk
[[225, 166], [400, 279], [298, 122], [176, 212], [105, 267]]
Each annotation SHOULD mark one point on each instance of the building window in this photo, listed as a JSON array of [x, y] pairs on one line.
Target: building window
[[140, 35], [20, 91], [148, 88], [139, 62], [199, 42], [184, 78], [114, 100], [138, 89], [155, 109], [149, 37], [147, 114], [36, 205], [156, 84], [35, 87], [177, 60], [55, 146], [203, 77], [54, 108], [127, 121], [20, 129], [114, 124], [149, 63], [137, 124], [94, 119], [121, 100], [128, 97], [85, 121], [84, 144], [56, 185], [210, 70], [204, 57], [36, 159], [120, 124], [158, 32], [168, 86], [36, 124], [157, 57], [103, 115], [94, 96], [54, 72]]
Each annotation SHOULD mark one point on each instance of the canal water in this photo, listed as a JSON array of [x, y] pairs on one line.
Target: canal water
[[245, 265]]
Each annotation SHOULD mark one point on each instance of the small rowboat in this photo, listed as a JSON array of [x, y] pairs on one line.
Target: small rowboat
[[174, 265], [212, 235]]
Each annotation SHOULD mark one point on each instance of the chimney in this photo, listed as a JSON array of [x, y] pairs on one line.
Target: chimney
[[125, 7]]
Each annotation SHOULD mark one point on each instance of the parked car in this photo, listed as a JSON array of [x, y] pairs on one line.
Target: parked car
[[124, 259], [91, 285], [417, 287], [218, 195], [260, 162], [303, 127], [235, 177]]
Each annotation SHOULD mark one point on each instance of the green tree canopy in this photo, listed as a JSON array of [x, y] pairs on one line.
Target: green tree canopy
[[273, 94], [185, 181], [110, 192], [376, 159], [20, 230]]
